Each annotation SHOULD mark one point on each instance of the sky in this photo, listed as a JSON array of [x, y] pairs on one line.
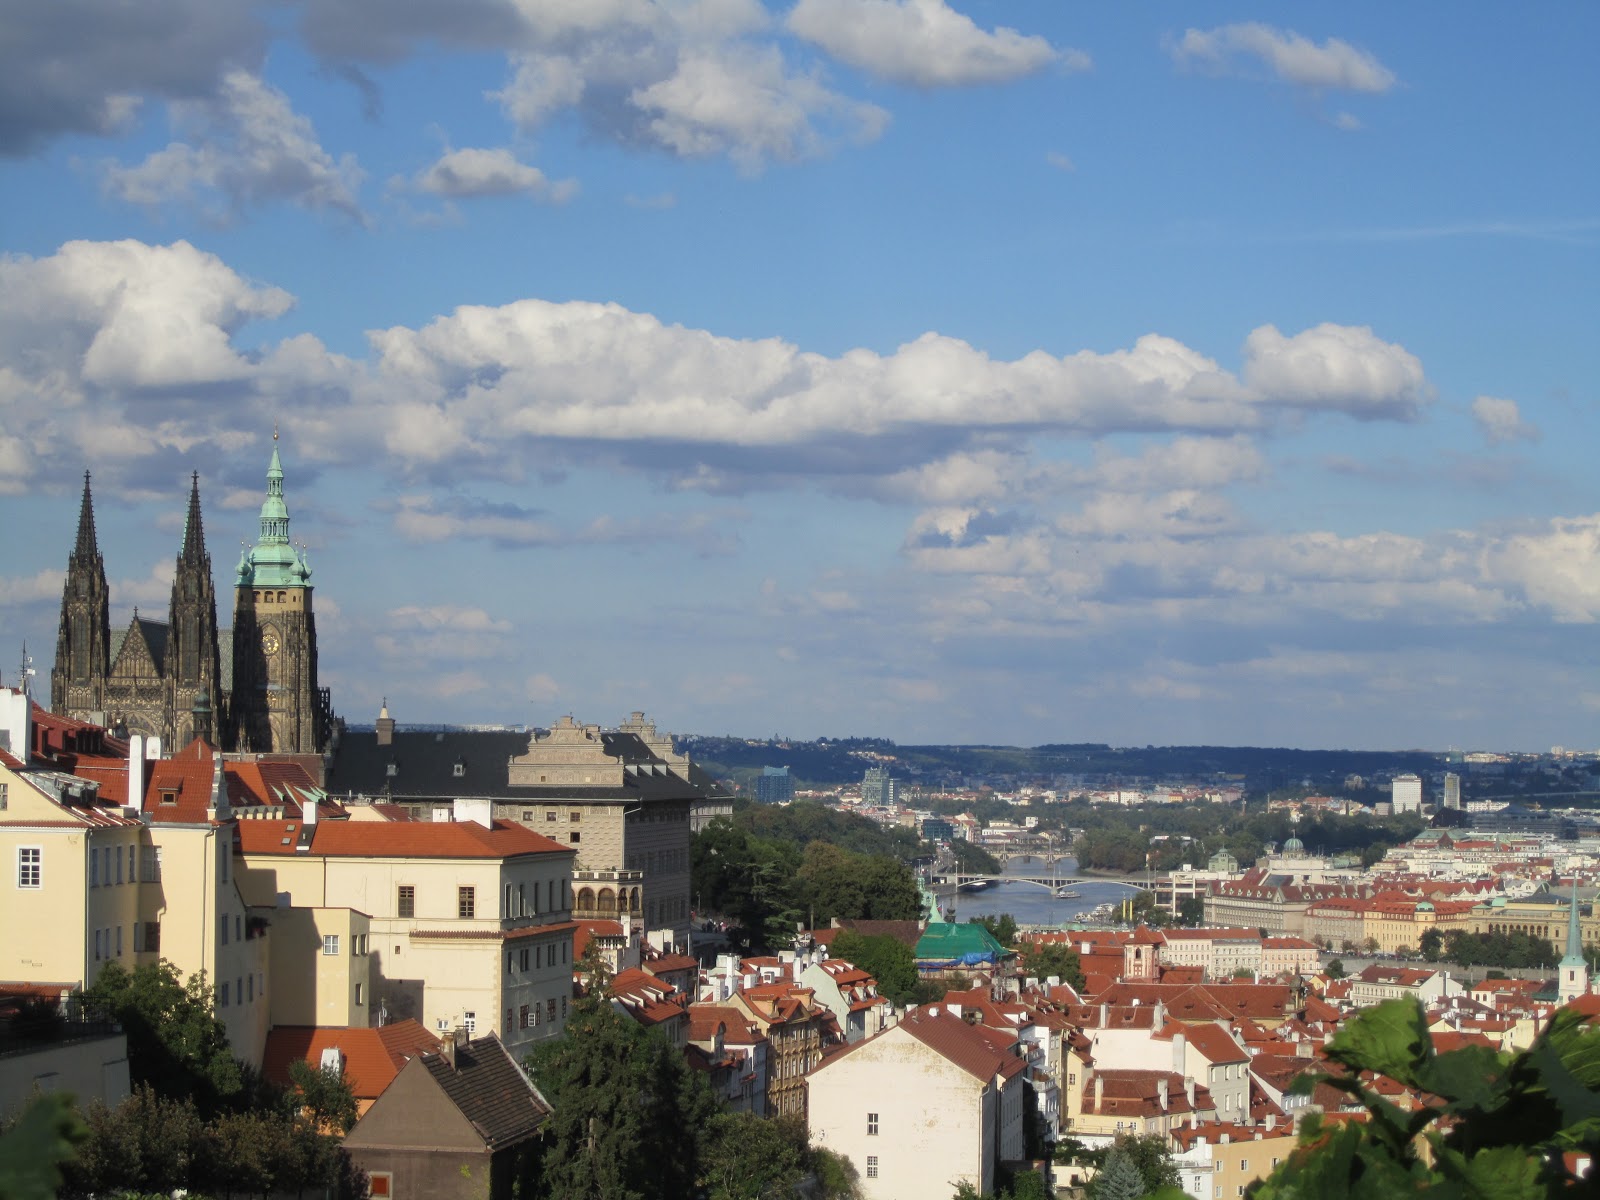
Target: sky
[[936, 370]]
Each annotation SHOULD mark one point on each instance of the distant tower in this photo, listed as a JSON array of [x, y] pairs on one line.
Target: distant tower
[[277, 705], [193, 666], [1574, 968], [1452, 790], [1406, 793], [83, 645]]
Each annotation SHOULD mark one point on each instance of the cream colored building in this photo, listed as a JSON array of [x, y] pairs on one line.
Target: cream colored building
[[921, 1107], [1219, 1160], [468, 922], [621, 799], [96, 879]]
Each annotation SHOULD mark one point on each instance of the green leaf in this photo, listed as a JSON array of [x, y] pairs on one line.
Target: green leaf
[[32, 1152], [1503, 1173], [1471, 1076], [1390, 1038]]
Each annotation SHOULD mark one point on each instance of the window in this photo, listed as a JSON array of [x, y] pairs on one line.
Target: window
[[130, 865], [152, 937], [238, 927], [5, 797], [330, 944], [169, 797], [466, 902], [222, 928], [576, 817], [94, 869], [550, 1010], [522, 1017], [550, 814], [222, 996], [459, 770], [469, 1022], [527, 814], [407, 903], [119, 928], [510, 1023], [872, 1166], [1244, 1164], [251, 983], [118, 856], [99, 945], [872, 1124], [574, 837], [524, 958], [563, 1008], [134, 945], [379, 1185], [360, 999]]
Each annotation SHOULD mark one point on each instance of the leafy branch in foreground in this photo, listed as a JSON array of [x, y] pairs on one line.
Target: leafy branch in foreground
[[1490, 1125]]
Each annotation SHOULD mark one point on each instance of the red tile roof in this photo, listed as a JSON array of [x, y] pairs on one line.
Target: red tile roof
[[400, 839], [372, 1057]]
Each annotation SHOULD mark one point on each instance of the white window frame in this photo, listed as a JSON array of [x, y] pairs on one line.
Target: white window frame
[[30, 868], [330, 945]]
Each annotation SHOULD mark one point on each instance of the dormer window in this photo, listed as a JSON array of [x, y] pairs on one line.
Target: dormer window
[[460, 768], [169, 796], [391, 769]]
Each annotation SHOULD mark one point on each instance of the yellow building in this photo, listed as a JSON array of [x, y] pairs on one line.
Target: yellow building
[[1219, 1160], [462, 923], [97, 879]]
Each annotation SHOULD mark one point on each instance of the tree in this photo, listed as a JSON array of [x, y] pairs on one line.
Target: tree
[[175, 1043], [1491, 1125], [323, 1095], [1044, 959], [1430, 944], [628, 1111], [1118, 1179], [1192, 910], [892, 963], [1151, 1157], [746, 1157], [1334, 969]]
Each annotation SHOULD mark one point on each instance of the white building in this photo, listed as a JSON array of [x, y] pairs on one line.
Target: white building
[[1405, 793]]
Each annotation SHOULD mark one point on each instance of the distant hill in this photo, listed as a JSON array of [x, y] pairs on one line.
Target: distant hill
[[830, 762]]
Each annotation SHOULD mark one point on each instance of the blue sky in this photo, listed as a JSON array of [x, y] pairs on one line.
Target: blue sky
[[941, 371]]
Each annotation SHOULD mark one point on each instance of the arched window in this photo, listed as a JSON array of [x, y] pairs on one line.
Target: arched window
[[608, 902]]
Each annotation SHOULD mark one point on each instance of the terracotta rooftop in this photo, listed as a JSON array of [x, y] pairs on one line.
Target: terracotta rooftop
[[372, 1057]]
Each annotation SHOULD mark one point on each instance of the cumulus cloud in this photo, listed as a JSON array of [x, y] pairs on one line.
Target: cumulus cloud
[[446, 616], [246, 146], [508, 526], [1500, 421], [1290, 57], [924, 43], [84, 67], [470, 172], [937, 418], [1340, 367]]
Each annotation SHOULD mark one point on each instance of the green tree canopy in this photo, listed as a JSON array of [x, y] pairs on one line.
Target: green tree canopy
[[175, 1043], [1044, 959], [890, 962]]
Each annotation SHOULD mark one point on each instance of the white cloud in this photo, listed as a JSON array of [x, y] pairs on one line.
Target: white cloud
[[1500, 421], [924, 43], [247, 146], [471, 172], [1289, 56], [1336, 367], [446, 616], [1060, 161], [541, 688]]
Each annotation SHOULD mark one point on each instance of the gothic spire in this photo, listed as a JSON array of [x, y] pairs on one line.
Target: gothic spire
[[87, 548], [194, 535]]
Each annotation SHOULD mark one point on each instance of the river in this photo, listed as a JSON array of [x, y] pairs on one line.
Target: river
[[1031, 904]]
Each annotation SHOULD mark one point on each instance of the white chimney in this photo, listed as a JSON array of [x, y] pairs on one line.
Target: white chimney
[[1161, 1091], [308, 811], [152, 749], [136, 775], [1099, 1092]]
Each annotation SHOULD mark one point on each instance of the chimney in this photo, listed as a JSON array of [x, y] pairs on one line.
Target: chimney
[[1180, 1052], [447, 1045], [1161, 1091], [217, 807], [1099, 1092], [385, 725], [1272, 1121], [308, 810], [136, 775], [1188, 1088], [1105, 1015]]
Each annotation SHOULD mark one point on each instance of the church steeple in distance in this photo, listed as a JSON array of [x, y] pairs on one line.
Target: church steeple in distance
[[277, 703], [1574, 978], [193, 667], [83, 642]]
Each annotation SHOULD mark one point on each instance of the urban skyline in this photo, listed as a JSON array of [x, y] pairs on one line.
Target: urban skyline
[[940, 372]]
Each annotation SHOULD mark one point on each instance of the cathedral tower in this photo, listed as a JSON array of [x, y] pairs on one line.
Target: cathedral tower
[[193, 667], [83, 645], [1574, 978], [277, 705]]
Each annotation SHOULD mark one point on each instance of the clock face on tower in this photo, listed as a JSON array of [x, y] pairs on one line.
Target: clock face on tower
[[269, 642]]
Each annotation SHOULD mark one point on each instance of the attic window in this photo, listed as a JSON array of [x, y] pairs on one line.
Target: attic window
[[391, 769], [169, 797], [459, 769]]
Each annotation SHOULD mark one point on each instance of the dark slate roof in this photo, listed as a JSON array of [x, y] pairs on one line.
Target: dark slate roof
[[425, 768], [490, 1091]]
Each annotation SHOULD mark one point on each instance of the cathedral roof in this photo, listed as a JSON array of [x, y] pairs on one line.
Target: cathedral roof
[[273, 561]]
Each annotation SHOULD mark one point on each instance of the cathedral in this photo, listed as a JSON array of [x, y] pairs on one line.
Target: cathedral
[[252, 688]]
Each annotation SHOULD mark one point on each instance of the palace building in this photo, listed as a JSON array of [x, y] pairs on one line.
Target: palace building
[[253, 688]]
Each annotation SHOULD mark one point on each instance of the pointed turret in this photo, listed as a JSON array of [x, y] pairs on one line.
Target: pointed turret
[[1574, 968], [194, 534], [193, 663], [88, 546], [83, 643]]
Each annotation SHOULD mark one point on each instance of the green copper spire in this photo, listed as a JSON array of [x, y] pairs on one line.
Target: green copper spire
[[1574, 937], [273, 562]]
